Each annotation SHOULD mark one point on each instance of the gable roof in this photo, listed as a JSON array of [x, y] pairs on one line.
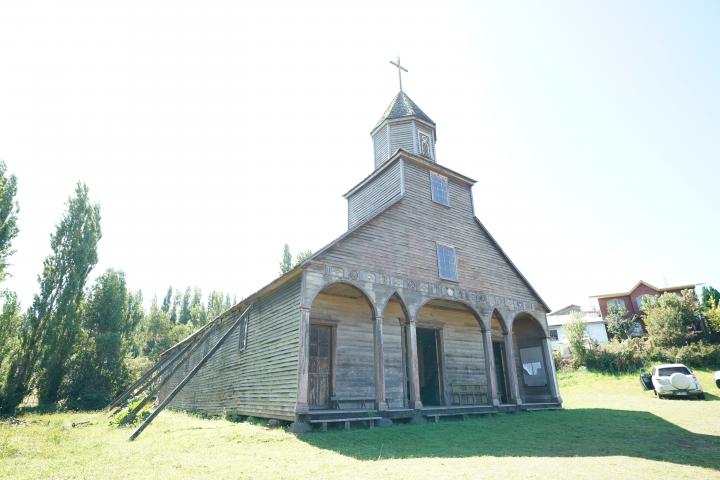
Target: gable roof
[[565, 310], [643, 282], [400, 153], [512, 265], [402, 106]]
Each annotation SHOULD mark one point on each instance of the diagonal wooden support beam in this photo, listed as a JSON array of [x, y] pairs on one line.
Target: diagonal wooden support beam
[[120, 399], [186, 357], [179, 355], [189, 376]]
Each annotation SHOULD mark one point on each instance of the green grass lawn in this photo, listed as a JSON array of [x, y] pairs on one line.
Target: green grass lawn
[[609, 428]]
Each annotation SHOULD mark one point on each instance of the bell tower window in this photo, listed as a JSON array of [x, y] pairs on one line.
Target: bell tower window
[[439, 189], [425, 144]]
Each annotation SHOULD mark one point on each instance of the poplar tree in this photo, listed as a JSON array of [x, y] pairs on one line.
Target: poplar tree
[[8, 217], [286, 263], [52, 323]]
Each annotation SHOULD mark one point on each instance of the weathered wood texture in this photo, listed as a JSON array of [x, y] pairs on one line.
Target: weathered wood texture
[[401, 136], [396, 393], [463, 353], [403, 240], [381, 146], [262, 379], [354, 351], [369, 198]]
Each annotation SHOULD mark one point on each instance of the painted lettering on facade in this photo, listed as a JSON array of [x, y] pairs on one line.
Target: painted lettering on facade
[[439, 289]]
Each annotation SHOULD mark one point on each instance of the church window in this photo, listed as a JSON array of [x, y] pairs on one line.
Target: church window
[[439, 188], [553, 334], [447, 262], [243, 328], [425, 144]]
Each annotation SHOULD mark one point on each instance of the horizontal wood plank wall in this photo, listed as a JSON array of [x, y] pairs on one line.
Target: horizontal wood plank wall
[[381, 191], [402, 240], [259, 381], [393, 352], [401, 136], [463, 351], [354, 351], [382, 149]]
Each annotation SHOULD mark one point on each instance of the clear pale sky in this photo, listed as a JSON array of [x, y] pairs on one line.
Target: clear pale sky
[[213, 132]]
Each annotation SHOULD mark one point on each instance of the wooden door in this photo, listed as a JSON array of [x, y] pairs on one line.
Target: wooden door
[[320, 366], [501, 371]]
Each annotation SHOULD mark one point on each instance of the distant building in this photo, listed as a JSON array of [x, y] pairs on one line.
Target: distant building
[[596, 330], [633, 298]]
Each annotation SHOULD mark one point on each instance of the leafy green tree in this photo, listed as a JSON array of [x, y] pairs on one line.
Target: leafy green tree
[[167, 301], [8, 217], [198, 315], [97, 370], [670, 318], [620, 323], [10, 321], [302, 256], [713, 318], [216, 305], [576, 330], [286, 262], [177, 298], [184, 314], [52, 323], [156, 328]]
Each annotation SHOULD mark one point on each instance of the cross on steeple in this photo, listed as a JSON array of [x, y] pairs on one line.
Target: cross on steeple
[[400, 70]]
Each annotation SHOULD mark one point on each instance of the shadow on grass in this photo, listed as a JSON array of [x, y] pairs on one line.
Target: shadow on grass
[[562, 433]]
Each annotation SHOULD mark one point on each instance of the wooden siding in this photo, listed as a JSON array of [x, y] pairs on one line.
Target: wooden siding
[[385, 188], [354, 352], [462, 348], [381, 146], [401, 136], [260, 380], [402, 240], [395, 391]]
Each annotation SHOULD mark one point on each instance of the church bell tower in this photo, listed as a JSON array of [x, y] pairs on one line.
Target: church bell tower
[[403, 125]]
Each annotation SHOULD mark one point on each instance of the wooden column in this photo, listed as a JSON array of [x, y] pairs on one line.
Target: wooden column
[[552, 374], [303, 360], [414, 371], [490, 367], [379, 364], [512, 368]]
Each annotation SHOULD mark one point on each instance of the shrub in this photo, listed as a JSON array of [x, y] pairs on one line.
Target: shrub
[[576, 329], [617, 357], [669, 317], [696, 355], [620, 324]]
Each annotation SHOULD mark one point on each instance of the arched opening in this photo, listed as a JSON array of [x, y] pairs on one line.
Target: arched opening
[[452, 365], [534, 373], [395, 351], [500, 358], [341, 371]]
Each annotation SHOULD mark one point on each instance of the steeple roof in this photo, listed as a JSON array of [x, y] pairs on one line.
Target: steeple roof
[[402, 106]]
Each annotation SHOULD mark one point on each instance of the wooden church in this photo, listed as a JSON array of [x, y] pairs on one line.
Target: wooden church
[[415, 312]]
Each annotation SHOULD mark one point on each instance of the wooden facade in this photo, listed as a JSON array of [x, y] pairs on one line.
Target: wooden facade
[[367, 327]]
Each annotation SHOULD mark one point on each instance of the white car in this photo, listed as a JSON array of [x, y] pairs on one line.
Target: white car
[[676, 380]]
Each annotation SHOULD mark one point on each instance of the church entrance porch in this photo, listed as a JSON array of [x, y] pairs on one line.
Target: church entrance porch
[[536, 379]]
